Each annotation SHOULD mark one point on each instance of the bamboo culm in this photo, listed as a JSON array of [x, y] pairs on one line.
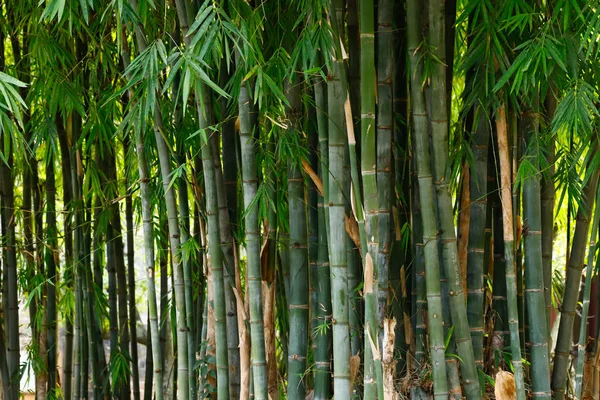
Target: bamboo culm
[[425, 183]]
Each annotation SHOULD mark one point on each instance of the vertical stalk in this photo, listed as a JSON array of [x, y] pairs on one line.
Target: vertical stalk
[[509, 249], [427, 208], [385, 127], [229, 265], [252, 233], [477, 222], [440, 135], [337, 205], [214, 242], [10, 275], [147, 221], [322, 337], [548, 198], [135, 374], [534, 280], [298, 299], [402, 255]]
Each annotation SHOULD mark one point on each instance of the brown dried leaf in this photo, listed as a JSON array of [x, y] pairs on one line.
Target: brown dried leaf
[[313, 176], [354, 367], [505, 386], [368, 274], [352, 230]]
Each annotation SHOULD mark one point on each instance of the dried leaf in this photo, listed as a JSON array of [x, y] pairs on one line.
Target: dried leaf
[[389, 363], [368, 274], [352, 231], [505, 386], [354, 367], [313, 176]]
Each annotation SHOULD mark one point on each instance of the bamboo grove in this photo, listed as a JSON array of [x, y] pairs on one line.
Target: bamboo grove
[[299, 199]]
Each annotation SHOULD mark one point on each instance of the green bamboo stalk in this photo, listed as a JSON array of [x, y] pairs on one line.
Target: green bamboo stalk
[[534, 281], [369, 182], [477, 222], [298, 299], [402, 254], [586, 301], [174, 237], [313, 234], [119, 255], [548, 198], [354, 43], [214, 242], [252, 233], [52, 248], [452, 372], [573, 282], [385, 127], [509, 250], [501, 334], [184, 9], [227, 246], [419, 292], [135, 374], [430, 237], [11, 319], [147, 223], [440, 134], [336, 211], [323, 336]]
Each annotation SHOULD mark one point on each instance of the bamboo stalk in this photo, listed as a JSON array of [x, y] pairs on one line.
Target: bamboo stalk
[[534, 281], [323, 337], [581, 347], [298, 299], [572, 284], [252, 232], [425, 183], [368, 153], [147, 223], [440, 133], [476, 247], [336, 211], [509, 250]]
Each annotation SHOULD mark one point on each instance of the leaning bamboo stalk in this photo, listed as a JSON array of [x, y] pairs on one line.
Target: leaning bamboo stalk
[[440, 134], [509, 250], [586, 302], [572, 284], [425, 183], [148, 228]]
